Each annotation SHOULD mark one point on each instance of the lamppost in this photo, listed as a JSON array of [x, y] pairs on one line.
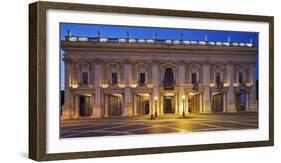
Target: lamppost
[[183, 110], [155, 99]]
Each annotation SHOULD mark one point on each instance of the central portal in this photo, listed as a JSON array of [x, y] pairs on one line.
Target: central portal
[[169, 104]]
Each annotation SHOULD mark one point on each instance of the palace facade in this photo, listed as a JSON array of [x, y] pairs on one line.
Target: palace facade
[[131, 77]]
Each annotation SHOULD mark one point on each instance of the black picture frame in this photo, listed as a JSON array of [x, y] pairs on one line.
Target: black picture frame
[[37, 79]]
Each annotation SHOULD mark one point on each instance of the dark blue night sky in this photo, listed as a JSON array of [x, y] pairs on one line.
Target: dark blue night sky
[[89, 30]]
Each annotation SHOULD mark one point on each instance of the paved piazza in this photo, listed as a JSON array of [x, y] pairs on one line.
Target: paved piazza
[[85, 127]]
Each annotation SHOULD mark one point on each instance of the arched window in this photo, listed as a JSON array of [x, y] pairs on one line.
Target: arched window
[[142, 79], [242, 74], [194, 73], [113, 73], [168, 78], [169, 75], [114, 78], [84, 73], [85, 78], [219, 75], [141, 73]]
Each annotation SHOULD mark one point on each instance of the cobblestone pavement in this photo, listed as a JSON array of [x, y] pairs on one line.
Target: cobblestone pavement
[[86, 127]]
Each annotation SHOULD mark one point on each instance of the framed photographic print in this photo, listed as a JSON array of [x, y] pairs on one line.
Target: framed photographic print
[[113, 81]]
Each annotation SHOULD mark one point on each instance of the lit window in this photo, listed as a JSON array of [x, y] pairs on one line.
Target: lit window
[[114, 78], [193, 78], [85, 77], [142, 78]]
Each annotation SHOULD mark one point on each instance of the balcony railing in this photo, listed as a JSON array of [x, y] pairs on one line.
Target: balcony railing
[[158, 41]]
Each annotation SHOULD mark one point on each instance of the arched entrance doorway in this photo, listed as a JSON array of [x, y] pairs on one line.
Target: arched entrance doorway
[[241, 101], [142, 104], [84, 106], [146, 107], [115, 105], [169, 104], [217, 102], [194, 103]]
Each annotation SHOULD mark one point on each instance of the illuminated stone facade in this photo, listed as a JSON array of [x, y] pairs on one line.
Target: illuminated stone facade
[[131, 77]]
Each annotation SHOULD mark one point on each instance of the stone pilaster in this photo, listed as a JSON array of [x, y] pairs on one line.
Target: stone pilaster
[[67, 108], [206, 86], [128, 109], [155, 93], [97, 108], [155, 75], [201, 102], [230, 91], [183, 99], [92, 73], [128, 106], [176, 103], [224, 102], [135, 105], [155, 101], [106, 105], [247, 101], [151, 104], [76, 107], [253, 106]]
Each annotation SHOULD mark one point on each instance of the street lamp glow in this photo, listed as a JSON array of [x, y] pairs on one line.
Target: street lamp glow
[[183, 96], [155, 98]]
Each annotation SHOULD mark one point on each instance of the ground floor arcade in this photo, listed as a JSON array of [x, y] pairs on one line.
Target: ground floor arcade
[[152, 102]]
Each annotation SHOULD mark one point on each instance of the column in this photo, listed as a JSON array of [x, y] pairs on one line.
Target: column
[[247, 102], [67, 109], [150, 104], [135, 105], [97, 108], [128, 109], [206, 86], [253, 93], [182, 97], [161, 109], [92, 73], [176, 104], [155, 91], [201, 102], [76, 106], [106, 105], [186, 111], [224, 102], [230, 92]]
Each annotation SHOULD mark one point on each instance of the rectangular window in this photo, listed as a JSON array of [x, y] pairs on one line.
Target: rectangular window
[[193, 78], [218, 77], [240, 78], [85, 78], [142, 78], [114, 78]]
